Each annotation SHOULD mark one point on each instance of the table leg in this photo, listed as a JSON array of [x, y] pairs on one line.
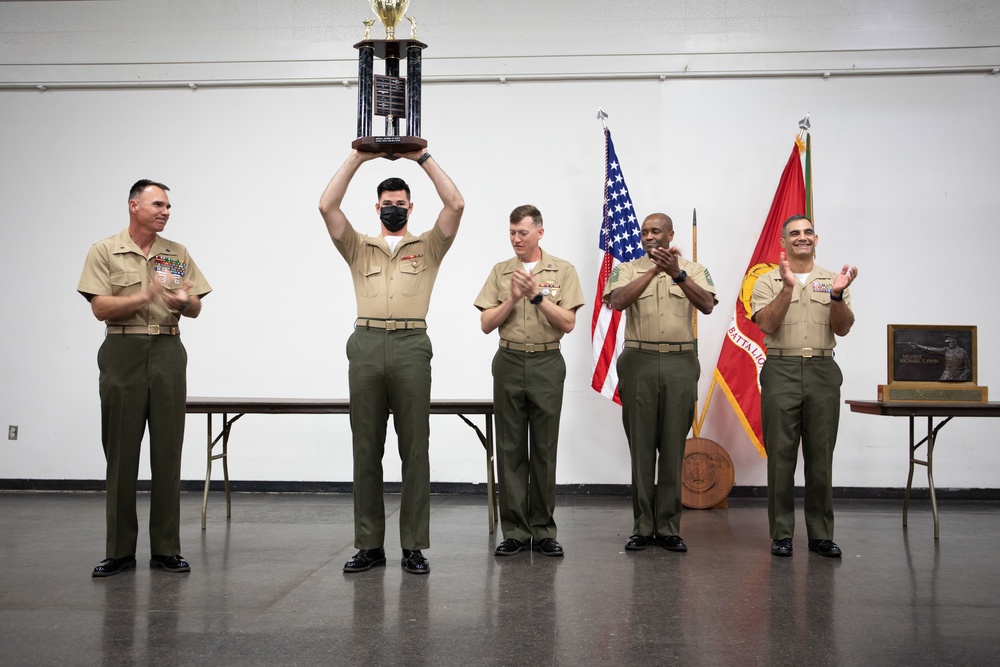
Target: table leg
[[909, 479], [491, 499], [225, 465], [227, 424], [931, 437], [208, 474], [487, 441]]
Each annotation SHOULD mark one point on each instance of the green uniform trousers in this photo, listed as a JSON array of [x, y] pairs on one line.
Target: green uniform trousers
[[658, 393], [390, 370], [800, 401], [143, 380], [527, 398]]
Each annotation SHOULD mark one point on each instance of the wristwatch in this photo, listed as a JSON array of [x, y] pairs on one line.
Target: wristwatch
[[681, 277], [537, 299]]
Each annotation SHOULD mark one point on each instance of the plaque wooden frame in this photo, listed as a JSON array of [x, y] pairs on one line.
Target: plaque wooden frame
[[923, 366]]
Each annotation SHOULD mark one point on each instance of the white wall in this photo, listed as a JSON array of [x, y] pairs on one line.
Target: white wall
[[905, 173]]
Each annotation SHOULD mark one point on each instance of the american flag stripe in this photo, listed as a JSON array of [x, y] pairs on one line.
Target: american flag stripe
[[621, 241]]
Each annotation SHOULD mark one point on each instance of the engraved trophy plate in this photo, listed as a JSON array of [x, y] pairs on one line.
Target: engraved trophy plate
[[390, 96]]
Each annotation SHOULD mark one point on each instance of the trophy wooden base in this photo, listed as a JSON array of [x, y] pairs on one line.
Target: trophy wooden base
[[392, 146], [932, 392]]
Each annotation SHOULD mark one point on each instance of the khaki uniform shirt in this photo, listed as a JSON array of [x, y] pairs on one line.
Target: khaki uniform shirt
[[394, 285], [557, 281], [662, 313], [117, 267], [807, 322]]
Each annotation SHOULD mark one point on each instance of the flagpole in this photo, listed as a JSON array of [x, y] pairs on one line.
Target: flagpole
[[699, 419], [696, 423]]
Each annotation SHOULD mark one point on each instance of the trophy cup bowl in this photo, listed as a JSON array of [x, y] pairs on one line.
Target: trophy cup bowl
[[390, 12]]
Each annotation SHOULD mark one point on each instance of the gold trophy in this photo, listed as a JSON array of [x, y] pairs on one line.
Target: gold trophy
[[391, 95], [390, 11]]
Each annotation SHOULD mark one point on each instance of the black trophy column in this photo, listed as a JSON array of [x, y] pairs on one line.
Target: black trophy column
[[413, 70], [366, 89], [391, 69]]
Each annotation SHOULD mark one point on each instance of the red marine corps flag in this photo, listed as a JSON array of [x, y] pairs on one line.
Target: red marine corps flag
[[743, 352]]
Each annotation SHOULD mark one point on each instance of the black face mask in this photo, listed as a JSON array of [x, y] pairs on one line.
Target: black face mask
[[393, 217]]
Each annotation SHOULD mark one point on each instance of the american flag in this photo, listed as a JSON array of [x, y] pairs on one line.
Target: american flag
[[621, 241]]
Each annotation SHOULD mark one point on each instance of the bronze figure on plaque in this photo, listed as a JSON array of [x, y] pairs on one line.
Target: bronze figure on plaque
[[957, 363]]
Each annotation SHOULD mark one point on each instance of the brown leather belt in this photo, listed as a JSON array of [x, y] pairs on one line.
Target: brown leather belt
[[389, 325], [529, 347], [143, 330], [659, 347], [804, 352]]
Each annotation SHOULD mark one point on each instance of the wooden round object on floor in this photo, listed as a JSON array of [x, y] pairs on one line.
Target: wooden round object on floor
[[708, 474]]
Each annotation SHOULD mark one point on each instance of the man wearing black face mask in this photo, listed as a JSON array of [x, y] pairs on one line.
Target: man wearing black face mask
[[389, 352]]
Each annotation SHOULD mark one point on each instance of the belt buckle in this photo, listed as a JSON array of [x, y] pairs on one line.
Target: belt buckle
[[807, 353], [390, 325], [529, 347], [153, 329], [663, 348]]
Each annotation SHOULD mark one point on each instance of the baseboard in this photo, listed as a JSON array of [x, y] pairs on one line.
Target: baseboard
[[268, 486]]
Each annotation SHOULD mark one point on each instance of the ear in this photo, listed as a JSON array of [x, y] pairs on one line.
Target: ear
[[541, 232]]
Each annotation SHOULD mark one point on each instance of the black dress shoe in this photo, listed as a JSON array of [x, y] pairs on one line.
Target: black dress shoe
[[672, 543], [638, 542], [826, 548], [169, 563], [509, 547], [414, 562], [782, 547], [112, 566], [365, 559], [547, 546]]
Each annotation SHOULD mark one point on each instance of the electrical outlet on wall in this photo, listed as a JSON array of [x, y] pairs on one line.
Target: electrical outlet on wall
[[12, 433]]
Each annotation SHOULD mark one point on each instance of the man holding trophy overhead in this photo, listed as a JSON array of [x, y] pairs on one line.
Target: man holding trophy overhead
[[389, 353]]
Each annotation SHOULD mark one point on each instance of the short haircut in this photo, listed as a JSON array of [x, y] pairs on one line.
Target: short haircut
[[526, 211], [393, 185], [784, 225], [667, 220], [141, 185]]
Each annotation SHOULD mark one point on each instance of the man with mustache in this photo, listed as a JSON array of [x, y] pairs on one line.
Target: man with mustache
[[658, 375], [801, 307], [389, 353]]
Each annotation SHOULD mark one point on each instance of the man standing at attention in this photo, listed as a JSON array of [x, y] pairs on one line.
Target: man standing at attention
[[532, 298], [389, 353], [800, 307], [141, 284], [658, 375]]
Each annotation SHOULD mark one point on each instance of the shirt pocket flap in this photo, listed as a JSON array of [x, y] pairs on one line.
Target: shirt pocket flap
[[820, 297], [125, 278], [412, 266]]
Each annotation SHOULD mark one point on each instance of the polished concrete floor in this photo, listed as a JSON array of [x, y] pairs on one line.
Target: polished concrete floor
[[267, 588]]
